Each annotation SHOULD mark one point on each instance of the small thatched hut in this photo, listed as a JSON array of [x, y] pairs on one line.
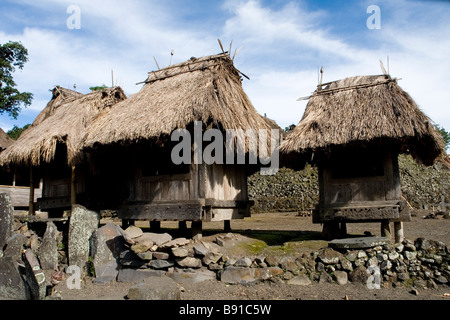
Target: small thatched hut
[[52, 146], [354, 129], [5, 140], [203, 93]]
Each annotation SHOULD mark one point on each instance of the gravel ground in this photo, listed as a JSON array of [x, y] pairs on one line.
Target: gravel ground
[[275, 231]]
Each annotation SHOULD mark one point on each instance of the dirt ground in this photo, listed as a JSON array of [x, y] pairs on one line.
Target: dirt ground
[[284, 234]]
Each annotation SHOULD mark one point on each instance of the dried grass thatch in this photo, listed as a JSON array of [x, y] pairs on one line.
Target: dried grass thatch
[[206, 89], [364, 111], [65, 119], [5, 140]]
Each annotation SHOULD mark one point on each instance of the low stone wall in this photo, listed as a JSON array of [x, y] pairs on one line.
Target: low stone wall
[[291, 190]]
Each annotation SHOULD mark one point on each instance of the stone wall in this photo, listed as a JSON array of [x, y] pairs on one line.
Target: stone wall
[[291, 190]]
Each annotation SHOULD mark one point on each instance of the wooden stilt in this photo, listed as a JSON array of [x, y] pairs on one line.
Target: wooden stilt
[[385, 229], [196, 228], [227, 225], [31, 210], [73, 190], [155, 226], [398, 231], [343, 229], [330, 230], [182, 227]]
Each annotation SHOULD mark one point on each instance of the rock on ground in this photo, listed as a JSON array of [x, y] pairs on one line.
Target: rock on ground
[[83, 223], [155, 288]]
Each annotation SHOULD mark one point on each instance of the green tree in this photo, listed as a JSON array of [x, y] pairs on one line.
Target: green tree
[[290, 128], [98, 88], [12, 55], [445, 135], [15, 132]]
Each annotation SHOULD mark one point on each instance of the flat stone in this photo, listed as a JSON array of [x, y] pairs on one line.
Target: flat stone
[[83, 224], [243, 262], [161, 255], [147, 256], [192, 276], [12, 285], [300, 280], [178, 242], [155, 288], [189, 262], [180, 252], [358, 243], [133, 232], [129, 275], [244, 275], [160, 264], [139, 248], [200, 250], [6, 218], [212, 257]]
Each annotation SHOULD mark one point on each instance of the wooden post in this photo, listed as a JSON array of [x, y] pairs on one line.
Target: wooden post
[[385, 229], [398, 231], [227, 225], [73, 190], [196, 227], [31, 210], [155, 226]]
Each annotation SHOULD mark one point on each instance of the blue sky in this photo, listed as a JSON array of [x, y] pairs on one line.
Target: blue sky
[[284, 44]]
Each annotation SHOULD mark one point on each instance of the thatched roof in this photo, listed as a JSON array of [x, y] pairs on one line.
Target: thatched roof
[[206, 89], [363, 111], [5, 140], [65, 119]]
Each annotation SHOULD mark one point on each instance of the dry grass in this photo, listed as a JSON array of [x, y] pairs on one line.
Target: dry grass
[[361, 111], [65, 119]]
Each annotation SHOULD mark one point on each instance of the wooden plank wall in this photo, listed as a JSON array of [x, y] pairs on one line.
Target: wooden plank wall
[[20, 195]]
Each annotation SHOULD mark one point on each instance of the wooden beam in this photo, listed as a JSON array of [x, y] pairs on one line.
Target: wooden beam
[[31, 210], [73, 190]]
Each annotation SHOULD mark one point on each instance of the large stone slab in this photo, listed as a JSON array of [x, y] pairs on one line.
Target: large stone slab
[[107, 245], [12, 285], [191, 276], [6, 218], [129, 275], [48, 250], [35, 277], [155, 288], [241, 275], [82, 225], [358, 243]]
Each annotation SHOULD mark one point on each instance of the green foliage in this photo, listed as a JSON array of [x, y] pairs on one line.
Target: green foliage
[[98, 88], [15, 132], [12, 55], [445, 135], [290, 128]]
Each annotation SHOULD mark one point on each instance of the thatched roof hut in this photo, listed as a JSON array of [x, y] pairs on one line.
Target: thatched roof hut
[[354, 129], [5, 140], [65, 120], [206, 89], [135, 135], [364, 111]]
